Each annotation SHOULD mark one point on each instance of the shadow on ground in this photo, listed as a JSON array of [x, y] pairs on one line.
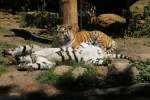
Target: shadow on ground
[[40, 95]]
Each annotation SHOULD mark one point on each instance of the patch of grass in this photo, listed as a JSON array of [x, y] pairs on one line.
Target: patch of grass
[[135, 28], [40, 19], [75, 64], [144, 71], [119, 50], [3, 65], [5, 45], [2, 69], [2, 29], [88, 79], [110, 67], [36, 43], [48, 77]]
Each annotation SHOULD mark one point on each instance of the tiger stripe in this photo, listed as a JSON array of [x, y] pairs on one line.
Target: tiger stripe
[[61, 55], [24, 48]]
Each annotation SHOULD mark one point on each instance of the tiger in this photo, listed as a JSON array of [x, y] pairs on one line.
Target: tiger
[[21, 50], [46, 58], [69, 38]]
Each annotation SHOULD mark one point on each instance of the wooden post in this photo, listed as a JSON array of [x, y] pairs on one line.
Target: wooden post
[[68, 13]]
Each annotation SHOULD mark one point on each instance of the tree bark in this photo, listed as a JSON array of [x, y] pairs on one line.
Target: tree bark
[[68, 13]]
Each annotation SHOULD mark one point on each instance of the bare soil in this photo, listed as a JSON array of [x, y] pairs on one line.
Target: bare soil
[[21, 85], [137, 48]]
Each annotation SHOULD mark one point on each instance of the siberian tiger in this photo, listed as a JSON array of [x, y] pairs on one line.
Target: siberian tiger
[[69, 38], [46, 58]]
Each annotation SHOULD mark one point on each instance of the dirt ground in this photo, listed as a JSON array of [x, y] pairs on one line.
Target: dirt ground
[[21, 85]]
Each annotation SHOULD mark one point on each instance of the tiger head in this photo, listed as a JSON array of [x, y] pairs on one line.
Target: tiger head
[[18, 51], [13, 51], [64, 34]]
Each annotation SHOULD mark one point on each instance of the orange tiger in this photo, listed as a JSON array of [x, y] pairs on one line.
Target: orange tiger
[[69, 38]]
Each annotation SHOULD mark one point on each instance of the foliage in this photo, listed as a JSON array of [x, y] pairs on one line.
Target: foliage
[[2, 69], [40, 19], [119, 50], [28, 5], [3, 45], [144, 75], [88, 79], [2, 29], [48, 77], [136, 30]]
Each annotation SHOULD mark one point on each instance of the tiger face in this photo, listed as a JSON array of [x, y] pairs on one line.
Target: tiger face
[[21, 50], [13, 51], [64, 34]]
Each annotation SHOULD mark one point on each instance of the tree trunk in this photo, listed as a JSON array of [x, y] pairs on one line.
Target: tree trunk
[[68, 13], [127, 12]]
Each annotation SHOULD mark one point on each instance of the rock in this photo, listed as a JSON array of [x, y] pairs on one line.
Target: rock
[[60, 70], [106, 20], [102, 71], [138, 6], [135, 71], [121, 65], [79, 71]]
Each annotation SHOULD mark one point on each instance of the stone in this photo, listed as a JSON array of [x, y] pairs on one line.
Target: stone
[[121, 65], [60, 70], [135, 71], [79, 71], [102, 71], [106, 20], [138, 6]]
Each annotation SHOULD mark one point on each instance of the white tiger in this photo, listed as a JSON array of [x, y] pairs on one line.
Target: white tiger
[[46, 58], [22, 50]]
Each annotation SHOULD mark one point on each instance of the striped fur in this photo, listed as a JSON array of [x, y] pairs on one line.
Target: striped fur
[[21, 50], [69, 38], [46, 58]]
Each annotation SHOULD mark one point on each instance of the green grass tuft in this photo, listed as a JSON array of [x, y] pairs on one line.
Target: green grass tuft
[[2, 69], [133, 29], [48, 77], [67, 79], [144, 71], [5, 45]]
